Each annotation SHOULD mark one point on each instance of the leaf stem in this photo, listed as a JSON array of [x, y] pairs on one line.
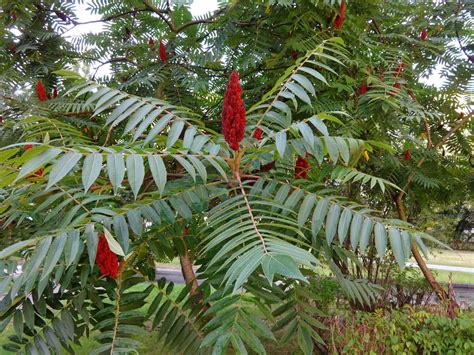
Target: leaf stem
[[252, 218]]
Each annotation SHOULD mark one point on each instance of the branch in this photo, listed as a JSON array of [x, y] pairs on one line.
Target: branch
[[377, 29], [464, 118], [429, 145], [113, 60], [160, 13], [187, 266], [170, 22], [196, 22], [469, 57], [111, 17]]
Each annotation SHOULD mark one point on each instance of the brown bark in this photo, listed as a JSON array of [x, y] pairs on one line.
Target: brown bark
[[188, 272], [440, 292], [187, 265]]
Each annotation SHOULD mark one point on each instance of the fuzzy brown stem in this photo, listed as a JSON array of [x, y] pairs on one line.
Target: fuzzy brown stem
[[187, 266], [188, 272]]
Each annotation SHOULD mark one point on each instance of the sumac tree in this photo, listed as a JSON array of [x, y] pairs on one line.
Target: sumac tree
[[134, 165]]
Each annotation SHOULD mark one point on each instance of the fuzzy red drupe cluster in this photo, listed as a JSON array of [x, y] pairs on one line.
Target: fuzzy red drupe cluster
[[302, 167], [257, 134], [40, 91], [163, 55], [106, 259], [424, 33], [233, 113], [362, 90], [340, 18], [407, 155]]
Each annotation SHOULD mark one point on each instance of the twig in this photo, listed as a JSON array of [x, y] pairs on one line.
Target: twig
[[160, 13], [443, 140], [469, 57]]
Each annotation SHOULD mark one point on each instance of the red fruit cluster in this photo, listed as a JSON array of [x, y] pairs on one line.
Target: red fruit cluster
[[302, 167], [163, 55], [340, 18], [399, 68], [106, 259], [396, 86], [151, 43], [424, 33], [294, 55], [407, 155], [362, 90], [233, 113], [257, 134], [267, 167], [40, 91]]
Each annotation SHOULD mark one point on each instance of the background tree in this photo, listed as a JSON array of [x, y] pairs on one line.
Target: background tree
[[135, 164]]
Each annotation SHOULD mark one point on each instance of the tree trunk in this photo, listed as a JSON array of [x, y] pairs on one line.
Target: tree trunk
[[188, 272], [440, 292]]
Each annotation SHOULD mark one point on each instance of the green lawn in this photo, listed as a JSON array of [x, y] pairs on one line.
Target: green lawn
[[458, 277], [174, 263], [451, 257]]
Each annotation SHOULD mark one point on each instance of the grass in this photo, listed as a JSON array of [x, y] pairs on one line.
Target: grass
[[451, 257], [173, 264], [458, 277]]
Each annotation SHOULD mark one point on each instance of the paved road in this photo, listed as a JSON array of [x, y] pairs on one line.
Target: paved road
[[464, 293], [445, 267], [170, 274]]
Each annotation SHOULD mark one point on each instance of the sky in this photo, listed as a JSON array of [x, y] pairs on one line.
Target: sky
[[198, 7]]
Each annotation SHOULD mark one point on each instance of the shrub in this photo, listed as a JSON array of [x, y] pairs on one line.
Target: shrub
[[409, 287], [406, 331]]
